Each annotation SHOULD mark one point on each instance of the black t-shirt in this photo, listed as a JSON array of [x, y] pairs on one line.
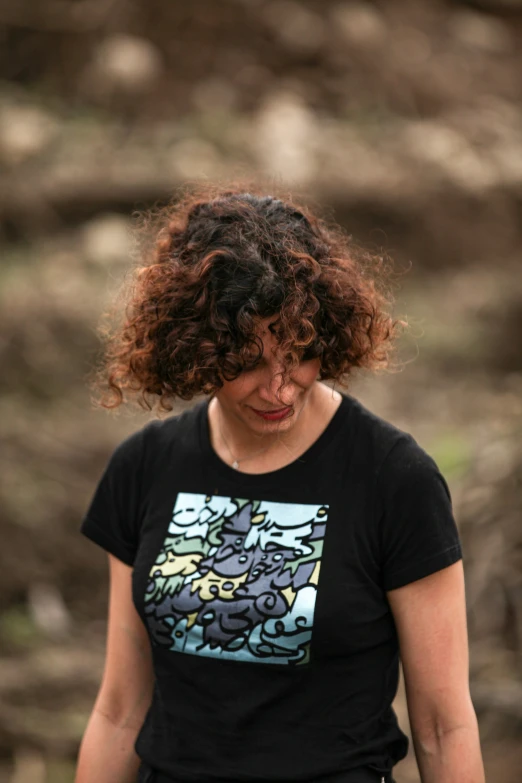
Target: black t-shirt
[[275, 651]]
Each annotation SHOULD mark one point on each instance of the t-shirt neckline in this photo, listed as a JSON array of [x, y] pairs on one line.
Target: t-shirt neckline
[[272, 476]]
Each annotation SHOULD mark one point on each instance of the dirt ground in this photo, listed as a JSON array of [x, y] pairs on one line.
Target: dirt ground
[[403, 119]]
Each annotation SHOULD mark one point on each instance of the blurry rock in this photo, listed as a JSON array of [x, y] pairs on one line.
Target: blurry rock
[[253, 76], [351, 164], [304, 91], [194, 158], [495, 461], [500, 5], [433, 140], [25, 131], [286, 141], [410, 45], [508, 158], [28, 764], [107, 240], [434, 143], [299, 28], [504, 695], [359, 23], [48, 610], [214, 94], [122, 64], [495, 127], [479, 31]]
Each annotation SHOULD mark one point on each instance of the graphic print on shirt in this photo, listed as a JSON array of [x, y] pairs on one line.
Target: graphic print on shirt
[[237, 579]]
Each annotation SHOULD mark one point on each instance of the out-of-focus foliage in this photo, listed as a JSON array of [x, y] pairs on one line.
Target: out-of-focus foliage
[[404, 118]]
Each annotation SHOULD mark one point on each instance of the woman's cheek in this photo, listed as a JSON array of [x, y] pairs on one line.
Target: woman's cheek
[[307, 372]]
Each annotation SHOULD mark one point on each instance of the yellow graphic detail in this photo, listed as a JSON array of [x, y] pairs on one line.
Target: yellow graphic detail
[[179, 564], [213, 585], [315, 574], [191, 619], [289, 594]]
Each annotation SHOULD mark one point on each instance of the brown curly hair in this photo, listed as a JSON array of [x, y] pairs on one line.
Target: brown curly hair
[[220, 259]]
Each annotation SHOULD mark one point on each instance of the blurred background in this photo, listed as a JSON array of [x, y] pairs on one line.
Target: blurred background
[[403, 118]]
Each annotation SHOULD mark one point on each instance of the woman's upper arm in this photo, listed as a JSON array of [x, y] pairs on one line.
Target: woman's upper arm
[[126, 689], [430, 617]]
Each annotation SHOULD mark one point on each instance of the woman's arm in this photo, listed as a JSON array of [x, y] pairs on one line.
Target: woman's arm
[[430, 616], [107, 750]]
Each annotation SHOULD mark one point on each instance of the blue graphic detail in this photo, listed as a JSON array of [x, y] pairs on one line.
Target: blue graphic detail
[[237, 579]]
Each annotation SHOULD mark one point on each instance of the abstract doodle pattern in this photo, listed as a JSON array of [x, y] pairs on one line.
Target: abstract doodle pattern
[[237, 579]]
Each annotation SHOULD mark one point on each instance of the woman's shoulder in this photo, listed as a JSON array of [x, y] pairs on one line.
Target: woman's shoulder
[[389, 446], [372, 427], [182, 422], [149, 439], [396, 462]]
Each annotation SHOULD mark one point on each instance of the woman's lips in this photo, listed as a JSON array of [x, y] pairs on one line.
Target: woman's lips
[[273, 415]]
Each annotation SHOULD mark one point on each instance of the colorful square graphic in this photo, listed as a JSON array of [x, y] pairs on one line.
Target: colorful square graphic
[[237, 579]]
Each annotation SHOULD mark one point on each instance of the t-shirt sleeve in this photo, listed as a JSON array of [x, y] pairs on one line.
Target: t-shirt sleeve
[[112, 519], [418, 534]]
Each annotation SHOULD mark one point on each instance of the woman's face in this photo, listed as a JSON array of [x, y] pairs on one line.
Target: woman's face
[[256, 397]]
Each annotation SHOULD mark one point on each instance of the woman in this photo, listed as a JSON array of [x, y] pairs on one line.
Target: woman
[[271, 548]]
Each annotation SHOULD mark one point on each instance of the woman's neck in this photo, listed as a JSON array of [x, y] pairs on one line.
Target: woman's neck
[[234, 441]]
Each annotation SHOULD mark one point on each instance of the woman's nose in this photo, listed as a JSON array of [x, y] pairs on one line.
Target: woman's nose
[[273, 388]]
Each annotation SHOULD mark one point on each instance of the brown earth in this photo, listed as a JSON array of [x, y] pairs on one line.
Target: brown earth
[[404, 120]]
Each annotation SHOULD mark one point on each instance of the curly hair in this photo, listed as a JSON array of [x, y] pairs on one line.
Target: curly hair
[[222, 258]]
